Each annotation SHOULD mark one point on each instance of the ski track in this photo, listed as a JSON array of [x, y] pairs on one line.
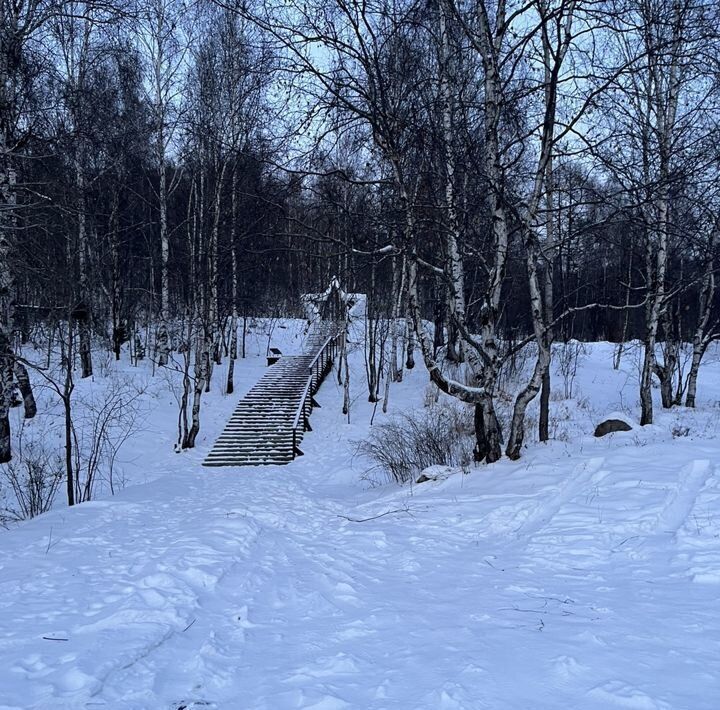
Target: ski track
[[585, 474], [681, 500]]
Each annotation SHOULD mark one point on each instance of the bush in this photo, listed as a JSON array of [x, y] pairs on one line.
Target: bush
[[569, 356], [407, 444], [103, 421], [33, 477]]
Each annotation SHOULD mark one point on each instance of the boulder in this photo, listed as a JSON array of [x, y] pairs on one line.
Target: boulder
[[434, 473], [611, 425]]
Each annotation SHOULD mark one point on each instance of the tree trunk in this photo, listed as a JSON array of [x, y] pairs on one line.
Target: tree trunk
[[25, 387], [213, 259], [186, 349], [666, 371], [488, 434], [701, 337], [517, 425], [163, 336], [455, 268], [542, 363], [646, 404], [10, 57], [68, 388], [439, 334], [666, 75], [549, 301], [346, 380], [410, 352], [6, 353], [544, 419], [626, 315], [83, 308], [202, 364], [6, 386], [371, 339], [234, 294], [391, 375], [118, 333], [698, 351]]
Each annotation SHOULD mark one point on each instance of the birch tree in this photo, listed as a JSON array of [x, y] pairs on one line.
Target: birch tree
[[364, 81], [659, 111], [160, 35], [708, 325], [19, 23], [75, 33]]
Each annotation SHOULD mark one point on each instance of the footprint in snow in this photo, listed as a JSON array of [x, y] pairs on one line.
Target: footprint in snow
[[616, 693], [568, 667]]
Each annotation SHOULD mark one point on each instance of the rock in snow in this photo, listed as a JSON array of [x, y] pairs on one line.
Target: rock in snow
[[434, 473], [617, 421]]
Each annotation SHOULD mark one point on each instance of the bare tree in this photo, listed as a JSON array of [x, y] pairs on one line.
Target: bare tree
[[658, 115]]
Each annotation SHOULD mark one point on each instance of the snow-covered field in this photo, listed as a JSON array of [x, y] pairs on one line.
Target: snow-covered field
[[585, 575]]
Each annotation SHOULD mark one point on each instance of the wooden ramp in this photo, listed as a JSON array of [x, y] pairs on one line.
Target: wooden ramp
[[268, 424]]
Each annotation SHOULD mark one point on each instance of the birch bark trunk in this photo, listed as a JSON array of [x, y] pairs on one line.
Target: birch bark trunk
[[202, 365], [214, 304], [7, 205], [542, 363], [234, 294], [549, 305], [617, 357], [23, 381], [395, 370], [702, 336], [371, 339], [10, 53], [83, 313], [118, 332], [163, 336], [454, 261], [556, 36], [663, 95]]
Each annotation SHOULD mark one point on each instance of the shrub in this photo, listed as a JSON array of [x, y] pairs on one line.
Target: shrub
[[569, 356], [409, 443], [679, 431], [33, 477]]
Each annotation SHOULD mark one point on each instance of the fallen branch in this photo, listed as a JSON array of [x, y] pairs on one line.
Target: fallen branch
[[375, 517], [189, 625]]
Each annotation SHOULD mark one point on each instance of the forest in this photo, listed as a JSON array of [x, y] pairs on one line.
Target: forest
[[359, 354], [496, 177]]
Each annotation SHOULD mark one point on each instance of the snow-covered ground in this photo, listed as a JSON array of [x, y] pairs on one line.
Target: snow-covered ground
[[585, 575]]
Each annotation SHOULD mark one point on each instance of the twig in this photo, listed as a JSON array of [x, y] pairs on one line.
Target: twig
[[189, 625], [627, 539], [375, 517], [524, 611], [50, 638], [50, 542]]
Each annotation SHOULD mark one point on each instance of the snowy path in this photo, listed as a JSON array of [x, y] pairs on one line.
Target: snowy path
[[593, 583]]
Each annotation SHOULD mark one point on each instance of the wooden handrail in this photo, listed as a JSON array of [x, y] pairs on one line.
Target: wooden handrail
[[308, 386], [301, 406], [322, 350]]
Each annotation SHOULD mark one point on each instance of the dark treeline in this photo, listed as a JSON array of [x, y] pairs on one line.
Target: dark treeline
[[516, 174]]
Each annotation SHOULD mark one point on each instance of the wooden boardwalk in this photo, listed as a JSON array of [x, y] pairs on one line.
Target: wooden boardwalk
[[268, 424]]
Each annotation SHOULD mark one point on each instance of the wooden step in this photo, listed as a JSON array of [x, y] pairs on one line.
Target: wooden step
[[260, 430]]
